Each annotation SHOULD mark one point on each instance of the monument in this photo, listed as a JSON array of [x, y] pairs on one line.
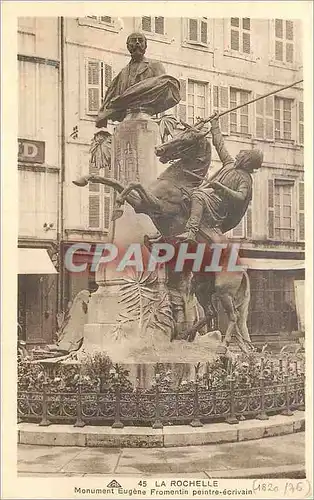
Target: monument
[[141, 316], [142, 89]]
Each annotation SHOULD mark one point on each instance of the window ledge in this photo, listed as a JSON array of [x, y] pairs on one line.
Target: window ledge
[[260, 139], [278, 144], [285, 65], [285, 145], [239, 55], [189, 44], [38, 167], [26, 31], [156, 37], [240, 136], [100, 232], [92, 23], [79, 142]]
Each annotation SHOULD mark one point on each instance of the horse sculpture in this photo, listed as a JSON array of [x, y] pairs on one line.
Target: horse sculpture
[[166, 202]]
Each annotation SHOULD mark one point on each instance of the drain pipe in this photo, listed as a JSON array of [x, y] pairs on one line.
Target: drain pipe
[[62, 172]]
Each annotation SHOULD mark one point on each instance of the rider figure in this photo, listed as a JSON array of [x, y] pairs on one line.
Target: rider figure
[[222, 199]]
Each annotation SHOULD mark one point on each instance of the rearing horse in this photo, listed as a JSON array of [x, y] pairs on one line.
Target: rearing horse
[[166, 201]]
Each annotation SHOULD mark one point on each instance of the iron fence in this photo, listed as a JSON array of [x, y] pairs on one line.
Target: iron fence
[[194, 403]]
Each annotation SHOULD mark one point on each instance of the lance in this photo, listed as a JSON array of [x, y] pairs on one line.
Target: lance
[[200, 123]]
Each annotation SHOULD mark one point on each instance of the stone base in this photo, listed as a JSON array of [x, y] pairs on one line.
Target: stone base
[[171, 436], [153, 347]]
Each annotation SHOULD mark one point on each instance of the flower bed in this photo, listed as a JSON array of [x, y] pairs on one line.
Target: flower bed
[[96, 392]]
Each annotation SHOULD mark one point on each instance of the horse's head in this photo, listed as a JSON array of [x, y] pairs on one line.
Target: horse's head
[[188, 144]]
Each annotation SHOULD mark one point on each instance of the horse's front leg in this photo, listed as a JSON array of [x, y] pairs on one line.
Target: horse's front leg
[[145, 195], [97, 179], [133, 199], [148, 198]]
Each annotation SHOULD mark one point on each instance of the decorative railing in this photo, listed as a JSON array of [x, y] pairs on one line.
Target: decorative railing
[[278, 388]]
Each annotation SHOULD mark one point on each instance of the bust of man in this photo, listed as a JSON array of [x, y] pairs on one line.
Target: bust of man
[[143, 83]]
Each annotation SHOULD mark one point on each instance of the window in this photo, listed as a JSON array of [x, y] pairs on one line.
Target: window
[[283, 118], [301, 123], [244, 228], [283, 211], [284, 41], [281, 224], [264, 125], [240, 34], [221, 103], [239, 119], [102, 19], [99, 203], [197, 101], [105, 23], [194, 101], [26, 24], [272, 306], [179, 110], [98, 78], [154, 25], [198, 31], [301, 212]]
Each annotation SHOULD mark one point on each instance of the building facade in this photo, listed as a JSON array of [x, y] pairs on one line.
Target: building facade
[[39, 176], [221, 63]]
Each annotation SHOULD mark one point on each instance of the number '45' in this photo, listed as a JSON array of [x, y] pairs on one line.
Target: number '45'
[[142, 483]]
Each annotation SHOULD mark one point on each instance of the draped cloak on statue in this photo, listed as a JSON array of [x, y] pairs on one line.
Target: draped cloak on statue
[[146, 87]]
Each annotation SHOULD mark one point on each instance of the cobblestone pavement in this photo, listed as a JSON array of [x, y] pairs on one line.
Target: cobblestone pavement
[[281, 456]]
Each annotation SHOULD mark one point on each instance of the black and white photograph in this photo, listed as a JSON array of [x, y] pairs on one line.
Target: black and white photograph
[[162, 302]]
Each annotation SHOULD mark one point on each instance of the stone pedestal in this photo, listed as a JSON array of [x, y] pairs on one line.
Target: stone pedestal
[[112, 326], [130, 317]]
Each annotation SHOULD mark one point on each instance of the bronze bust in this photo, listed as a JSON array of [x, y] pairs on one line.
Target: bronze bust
[[142, 83]]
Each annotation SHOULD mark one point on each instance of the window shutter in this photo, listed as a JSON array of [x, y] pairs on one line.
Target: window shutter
[[160, 25], [224, 105], [269, 117], [221, 103], [246, 23], [246, 43], [279, 28], [182, 104], [271, 228], [301, 122], [204, 32], [107, 75], [106, 212], [94, 219], [106, 19], [259, 117], [235, 40], [238, 231], [278, 51], [249, 231], [289, 30], [301, 212], [289, 52], [235, 21], [93, 87], [146, 23], [94, 193], [193, 31]]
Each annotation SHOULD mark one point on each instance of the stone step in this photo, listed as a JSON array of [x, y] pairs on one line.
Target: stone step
[[168, 436]]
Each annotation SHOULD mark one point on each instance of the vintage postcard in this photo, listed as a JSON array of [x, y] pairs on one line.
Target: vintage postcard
[[157, 244]]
